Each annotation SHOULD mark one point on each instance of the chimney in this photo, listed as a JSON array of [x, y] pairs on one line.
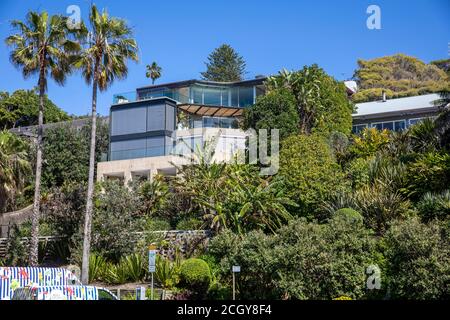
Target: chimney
[[383, 95]]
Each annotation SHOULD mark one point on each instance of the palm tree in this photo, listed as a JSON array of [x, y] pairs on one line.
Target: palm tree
[[41, 47], [14, 167], [109, 46], [153, 71]]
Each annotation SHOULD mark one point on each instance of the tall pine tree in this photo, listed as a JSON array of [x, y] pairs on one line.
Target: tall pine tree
[[224, 64]]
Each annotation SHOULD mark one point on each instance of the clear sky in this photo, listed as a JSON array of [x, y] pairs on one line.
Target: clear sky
[[270, 35]]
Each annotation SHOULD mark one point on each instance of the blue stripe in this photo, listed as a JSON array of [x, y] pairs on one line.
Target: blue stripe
[[27, 276]]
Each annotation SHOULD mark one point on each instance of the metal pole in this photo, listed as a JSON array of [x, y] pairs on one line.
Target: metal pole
[[234, 288], [152, 287]]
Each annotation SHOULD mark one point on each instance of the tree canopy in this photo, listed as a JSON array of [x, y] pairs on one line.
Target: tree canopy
[[21, 108], [399, 75], [321, 101], [276, 110], [224, 64]]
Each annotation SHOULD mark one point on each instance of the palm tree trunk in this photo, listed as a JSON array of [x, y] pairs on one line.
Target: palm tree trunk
[[34, 244], [90, 192]]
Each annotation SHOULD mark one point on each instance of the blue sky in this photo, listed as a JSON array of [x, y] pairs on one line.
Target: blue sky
[[270, 35]]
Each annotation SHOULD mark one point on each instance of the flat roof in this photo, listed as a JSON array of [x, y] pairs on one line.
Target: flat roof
[[177, 84], [399, 105]]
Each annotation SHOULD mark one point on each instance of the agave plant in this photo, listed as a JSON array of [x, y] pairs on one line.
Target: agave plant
[[434, 205], [97, 266], [167, 272], [135, 267]]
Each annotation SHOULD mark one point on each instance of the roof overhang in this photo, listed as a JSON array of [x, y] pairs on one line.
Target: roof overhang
[[211, 111], [411, 112]]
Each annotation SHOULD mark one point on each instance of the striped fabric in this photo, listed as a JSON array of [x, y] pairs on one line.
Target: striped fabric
[[12, 278], [68, 293]]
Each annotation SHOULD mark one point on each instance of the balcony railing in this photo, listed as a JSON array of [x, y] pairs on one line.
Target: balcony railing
[[127, 97]]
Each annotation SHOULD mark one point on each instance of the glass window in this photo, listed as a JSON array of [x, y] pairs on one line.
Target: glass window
[[211, 122], [225, 101], [378, 126], [225, 122], [388, 125], [235, 97], [357, 128], [197, 95], [245, 96], [197, 144], [104, 295], [414, 121], [399, 125], [212, 96]]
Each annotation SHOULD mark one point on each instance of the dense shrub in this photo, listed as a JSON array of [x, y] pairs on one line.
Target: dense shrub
[[349, 213], [358, 172], [368, 142], [429, 173], [321, 101], [66, 150], [167, 272], [399, 75], [132, 268], [418, 258], [195, 275], [276, 110], [435, 206], [253, 252], [310, 172], [156, 224], [115, 219], [189, 224], [380, 206], [97, 265], [303, 261]]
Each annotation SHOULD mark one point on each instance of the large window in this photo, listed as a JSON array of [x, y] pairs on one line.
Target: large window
[[357, 128], [245, 96], [223, 96], [220, 122], [212, 96]]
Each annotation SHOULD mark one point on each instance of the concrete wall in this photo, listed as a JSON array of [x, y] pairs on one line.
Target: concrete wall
[[230, 144]]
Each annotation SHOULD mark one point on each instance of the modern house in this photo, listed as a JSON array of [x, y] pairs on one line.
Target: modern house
[[394, 114], [149, 126]]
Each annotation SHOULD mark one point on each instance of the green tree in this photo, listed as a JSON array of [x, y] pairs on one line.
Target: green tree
[[302, 261], [224, 64], [14, 168], [275, 110], [110, 45], [399, 76], [442, 122], [67, 150], [430, 172], [41, 47], [154, 195], [21, 109], [153, 71], [321, 101], [418, 258], [115, 218], [310, 172], [443, 64]]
